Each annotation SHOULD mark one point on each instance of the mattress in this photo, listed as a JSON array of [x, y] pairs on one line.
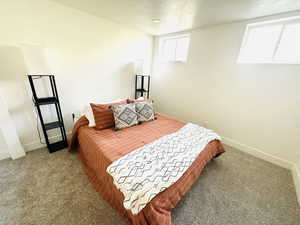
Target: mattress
[[99, 148]]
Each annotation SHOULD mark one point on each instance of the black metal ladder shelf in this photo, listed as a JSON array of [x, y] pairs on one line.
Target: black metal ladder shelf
[[139, 88], [38, 102]]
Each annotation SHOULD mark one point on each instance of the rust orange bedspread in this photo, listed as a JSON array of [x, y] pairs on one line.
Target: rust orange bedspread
[[99, 148]]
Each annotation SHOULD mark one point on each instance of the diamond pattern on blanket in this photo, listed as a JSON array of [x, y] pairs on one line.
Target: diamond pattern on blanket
[[145, 172]]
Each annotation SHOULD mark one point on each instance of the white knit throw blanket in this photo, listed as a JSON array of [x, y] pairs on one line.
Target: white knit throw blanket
[[150, 169]]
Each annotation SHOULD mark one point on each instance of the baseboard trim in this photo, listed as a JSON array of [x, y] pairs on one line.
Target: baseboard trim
[[269, 158], [296, 177], [34, 145], [37, 144], [258, 153], [4, 155]]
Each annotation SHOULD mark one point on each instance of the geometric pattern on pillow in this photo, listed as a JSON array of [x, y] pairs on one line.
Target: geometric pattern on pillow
[[124, 115], [145, 111]]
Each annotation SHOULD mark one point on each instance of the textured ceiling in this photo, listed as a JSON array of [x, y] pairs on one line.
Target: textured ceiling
[[178, 15]]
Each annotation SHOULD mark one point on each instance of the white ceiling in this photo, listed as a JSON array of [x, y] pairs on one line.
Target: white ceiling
[[178, 15]]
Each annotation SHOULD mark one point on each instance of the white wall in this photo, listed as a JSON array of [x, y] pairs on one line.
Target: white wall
[[91, 57], [255, 105]]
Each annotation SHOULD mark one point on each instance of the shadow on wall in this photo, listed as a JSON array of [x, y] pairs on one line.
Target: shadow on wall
[[16, 91]]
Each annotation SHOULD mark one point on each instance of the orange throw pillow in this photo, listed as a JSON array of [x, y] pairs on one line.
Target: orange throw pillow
[[104, 117]]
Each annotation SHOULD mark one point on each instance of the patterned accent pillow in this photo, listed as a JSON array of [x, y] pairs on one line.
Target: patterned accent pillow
[[145, 111], [124, 115]]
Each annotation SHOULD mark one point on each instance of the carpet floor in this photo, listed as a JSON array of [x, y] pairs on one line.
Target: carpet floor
[[236, 188]]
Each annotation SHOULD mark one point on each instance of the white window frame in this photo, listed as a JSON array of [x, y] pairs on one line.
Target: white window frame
[[283, 22], [161, 45]]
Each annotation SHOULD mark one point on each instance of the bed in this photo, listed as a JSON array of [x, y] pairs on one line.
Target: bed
[[99, 148]]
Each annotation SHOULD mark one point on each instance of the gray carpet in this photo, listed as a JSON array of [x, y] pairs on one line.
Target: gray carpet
[[236, 188]]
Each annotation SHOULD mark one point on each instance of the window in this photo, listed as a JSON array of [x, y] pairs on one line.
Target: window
[[272, 42], [174, 48]]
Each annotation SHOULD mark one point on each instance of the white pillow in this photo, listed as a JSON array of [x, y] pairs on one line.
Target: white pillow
[[88, 112]]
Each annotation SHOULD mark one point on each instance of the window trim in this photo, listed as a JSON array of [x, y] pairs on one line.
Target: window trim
[[162, 40], [283, 22]]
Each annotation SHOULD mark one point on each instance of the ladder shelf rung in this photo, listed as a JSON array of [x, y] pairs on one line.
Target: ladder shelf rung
[[52, 99], [53, 147], [46, 101], [141, 90], [53, 125]]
